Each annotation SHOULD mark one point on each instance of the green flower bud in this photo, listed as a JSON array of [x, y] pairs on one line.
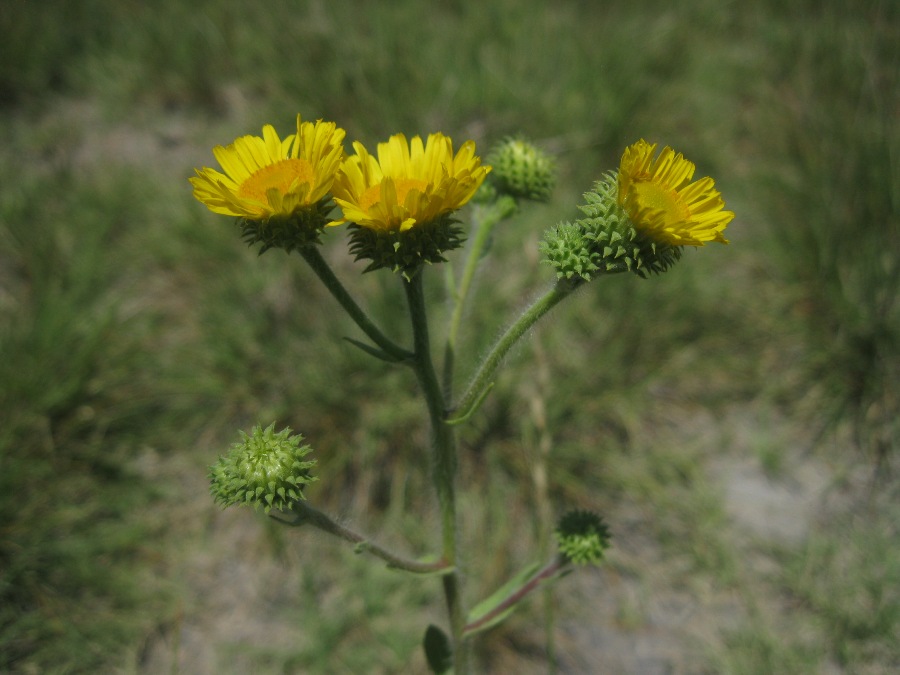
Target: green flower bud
[[583, 537], [569, 251], [296, 230], [406, 251], [522, 170], [264, 469]]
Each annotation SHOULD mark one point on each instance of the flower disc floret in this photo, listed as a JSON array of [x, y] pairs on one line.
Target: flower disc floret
[[279, 188], [266, 468], [657, 194]]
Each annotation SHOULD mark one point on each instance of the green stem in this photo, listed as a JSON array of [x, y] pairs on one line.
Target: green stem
[[313, 256], [444, 464], [486, 218], [306, 514], [484, 377]]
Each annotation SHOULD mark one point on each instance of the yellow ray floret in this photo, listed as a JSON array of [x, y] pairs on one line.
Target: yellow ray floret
[[663, 203], [266, 177], [410, 183]]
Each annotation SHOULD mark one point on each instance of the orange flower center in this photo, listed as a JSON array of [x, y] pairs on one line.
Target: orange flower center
[[651, 195], [403, 186], [283, 175]]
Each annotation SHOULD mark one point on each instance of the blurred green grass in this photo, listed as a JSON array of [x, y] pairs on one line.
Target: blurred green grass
[[134, 325]]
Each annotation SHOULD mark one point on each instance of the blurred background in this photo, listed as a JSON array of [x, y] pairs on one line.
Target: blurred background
[[735, 420]]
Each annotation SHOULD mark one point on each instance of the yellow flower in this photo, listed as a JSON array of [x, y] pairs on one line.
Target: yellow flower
[[409, 184], [663, 204], [266, 177]]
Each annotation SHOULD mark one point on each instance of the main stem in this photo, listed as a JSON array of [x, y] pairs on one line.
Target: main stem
[[444, 464]]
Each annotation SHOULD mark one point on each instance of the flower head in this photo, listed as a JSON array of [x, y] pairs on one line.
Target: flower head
[[399, 204], [409, 184], [266, 468], [276, 186], [663, 203], [639, 219]]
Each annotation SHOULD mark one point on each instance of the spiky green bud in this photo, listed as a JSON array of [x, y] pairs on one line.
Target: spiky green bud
[[266, 468], [522, 170], [405, 252], [569, 251], [298, 230], [582, 537]]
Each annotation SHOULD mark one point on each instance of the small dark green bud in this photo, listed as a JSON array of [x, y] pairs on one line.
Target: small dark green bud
[[583, 537], [522, 170], [265, 469]]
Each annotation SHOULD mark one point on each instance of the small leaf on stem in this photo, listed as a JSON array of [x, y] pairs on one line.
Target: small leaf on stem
[[438, 651]]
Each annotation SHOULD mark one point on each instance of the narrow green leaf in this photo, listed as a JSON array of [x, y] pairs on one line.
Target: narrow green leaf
[[487, 605], [373, 351]]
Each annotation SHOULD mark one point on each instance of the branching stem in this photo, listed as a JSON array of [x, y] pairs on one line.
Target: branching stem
[[313, 256], [306, 514]]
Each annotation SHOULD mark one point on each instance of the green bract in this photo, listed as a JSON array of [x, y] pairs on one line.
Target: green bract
[[264, 469], [290, 232], [582, 537], [570, 252], [405, 252]]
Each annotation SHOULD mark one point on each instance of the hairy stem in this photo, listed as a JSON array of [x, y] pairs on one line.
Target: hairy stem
[[486, 217], [444, 464], [484, 376], [306, 514]]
